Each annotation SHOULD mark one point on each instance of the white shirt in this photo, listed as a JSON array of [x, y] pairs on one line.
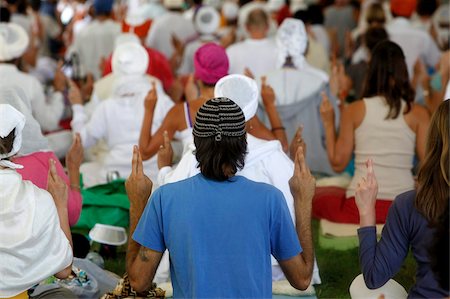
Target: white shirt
[[47, 111], [447, 92], [160, 34], [94, 42], [414, 42], [259, 55]]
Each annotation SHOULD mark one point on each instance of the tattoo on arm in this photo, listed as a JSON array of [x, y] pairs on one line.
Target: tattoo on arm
[[143, 254]]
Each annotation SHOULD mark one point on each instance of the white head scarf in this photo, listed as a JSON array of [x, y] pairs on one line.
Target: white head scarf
[[32, 138], [240, 89], [291, 41], [13, 41], [230, 10], [206, 20], [130, 58], [10, 119]]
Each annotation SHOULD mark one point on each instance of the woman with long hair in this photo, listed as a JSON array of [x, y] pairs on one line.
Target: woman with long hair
[[411, 222], [386, 126]]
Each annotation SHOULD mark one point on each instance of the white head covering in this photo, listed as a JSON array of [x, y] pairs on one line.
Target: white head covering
[[206, 20], [240, 89], [32, 138], [10, 119], [130, 59], [127, 37], [230, 10], [13, 41], [297, 5], [136, 14], [274, 5], [291, 41]]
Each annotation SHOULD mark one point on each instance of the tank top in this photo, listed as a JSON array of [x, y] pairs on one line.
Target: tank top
[[390, 143]]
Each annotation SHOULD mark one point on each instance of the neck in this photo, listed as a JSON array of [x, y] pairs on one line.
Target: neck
[[206, 92]]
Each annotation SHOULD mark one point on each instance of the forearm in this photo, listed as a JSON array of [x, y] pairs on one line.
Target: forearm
[[145, 137], [330, 141], [277, 126], [303, 227], [63, 216], [133, 246]]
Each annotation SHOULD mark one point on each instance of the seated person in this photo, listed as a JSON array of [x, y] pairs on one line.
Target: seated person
[[385, 126], [34, 225], [34, 156], [118, 120], [411, 222], [213, 254]]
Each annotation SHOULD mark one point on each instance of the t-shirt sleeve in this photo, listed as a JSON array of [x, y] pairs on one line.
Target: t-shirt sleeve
[[149, 231], [381, 261], [284, 241]]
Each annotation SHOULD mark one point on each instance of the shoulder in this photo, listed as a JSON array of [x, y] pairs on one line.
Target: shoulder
[[260, 189], [420, 113], [405, 201]]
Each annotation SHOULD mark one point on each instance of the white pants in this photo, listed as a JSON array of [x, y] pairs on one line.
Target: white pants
[[390, 290]]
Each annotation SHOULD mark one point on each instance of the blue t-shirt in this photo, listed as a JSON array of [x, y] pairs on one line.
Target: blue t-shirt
[[220, 235]]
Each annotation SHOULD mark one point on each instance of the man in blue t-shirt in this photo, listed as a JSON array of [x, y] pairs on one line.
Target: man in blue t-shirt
[[220, 229]]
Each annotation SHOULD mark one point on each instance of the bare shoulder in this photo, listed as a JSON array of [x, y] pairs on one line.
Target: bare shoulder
[[355, 112], [419, 112]]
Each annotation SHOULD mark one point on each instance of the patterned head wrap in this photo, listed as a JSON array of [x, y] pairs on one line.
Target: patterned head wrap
[[219, 117]]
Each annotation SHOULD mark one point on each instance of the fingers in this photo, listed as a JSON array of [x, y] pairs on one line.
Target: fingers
[[263, 80], [370, 172], [301, 160], [325, 99], [154, 86], [53, 173], [166, 139], [134, 160], [299, 133], [60, 64]]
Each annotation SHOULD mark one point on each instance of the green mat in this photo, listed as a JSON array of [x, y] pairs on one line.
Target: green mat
[[105, 204]]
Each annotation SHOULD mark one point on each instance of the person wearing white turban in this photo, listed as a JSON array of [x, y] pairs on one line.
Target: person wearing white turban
[[265, 161], [36, 240], [118, 120], [297, 87], [206, 22], [13, 44]]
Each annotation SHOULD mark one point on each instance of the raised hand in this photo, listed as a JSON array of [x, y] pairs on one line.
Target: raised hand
[[267, 93], [57, 187], [191, 91], [59, 80], [151, 98], [302, 183], [74, 94], [138, 185], [165, 152], [326, 110], [248, 73], [366, 196], [297, 141], [75, 154]]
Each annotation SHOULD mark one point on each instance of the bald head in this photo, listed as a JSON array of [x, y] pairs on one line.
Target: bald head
[[257, 20]]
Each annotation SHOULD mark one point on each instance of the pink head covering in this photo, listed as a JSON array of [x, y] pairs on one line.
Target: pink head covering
[[210, 63]]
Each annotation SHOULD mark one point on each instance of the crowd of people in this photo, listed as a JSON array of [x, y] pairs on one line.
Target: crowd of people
[[221, 115]]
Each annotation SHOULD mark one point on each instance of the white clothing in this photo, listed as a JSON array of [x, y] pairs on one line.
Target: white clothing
[[322, 37], [391, 145], [153, 10], [118, 121], [246, 9], [94, 42], [23, 21], [415, 43], [265, 162], [259, 55], [160, 34], [390, 290], [33, 246], [447, 92], [47, 112]]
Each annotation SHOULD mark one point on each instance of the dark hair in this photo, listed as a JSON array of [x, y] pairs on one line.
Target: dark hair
[[426, 7], [375, 14], [7, 143], [387, 76], [5, 15], [315, 14], [213, 156], [303, 16], [35, 4], [373, 36], [433, 180], [438, 252]]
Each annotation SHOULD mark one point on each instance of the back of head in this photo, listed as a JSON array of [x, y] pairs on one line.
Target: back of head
[[292, 41], [316, 14], [5, 15], [403, 8], [375, 16], [210, 63], [240, 89], [206, 20], [220, 139], [426, 8], [387, 76], [14, 41], [433, 178], [103, 7], [11, 126], [130, 58], [373, 36], [258, 20]]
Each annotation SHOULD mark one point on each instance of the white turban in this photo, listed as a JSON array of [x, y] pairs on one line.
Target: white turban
[[240, 89], [10, 119], [207, 20], [13, 41], [130, 59], [291, 41], [230, 10]]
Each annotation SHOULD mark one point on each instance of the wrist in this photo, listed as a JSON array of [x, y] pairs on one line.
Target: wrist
[[367, 219]]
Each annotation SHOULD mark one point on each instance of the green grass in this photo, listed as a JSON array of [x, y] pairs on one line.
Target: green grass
[[337, 268]]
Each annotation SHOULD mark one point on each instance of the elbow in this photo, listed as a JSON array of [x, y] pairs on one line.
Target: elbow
[[137, 283], [64, 273], [338, 167], [302, 284], [373, 283]]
